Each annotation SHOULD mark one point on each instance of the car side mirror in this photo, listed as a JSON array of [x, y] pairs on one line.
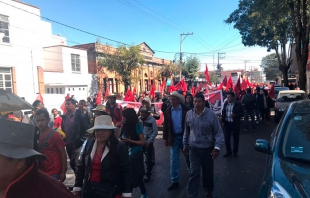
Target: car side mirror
[[262, 145]]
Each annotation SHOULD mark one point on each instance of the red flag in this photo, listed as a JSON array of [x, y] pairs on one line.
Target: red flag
[[162, 86], [152, 92], [134, 90], [63, 106], [179, 85], [248, 83], [271, 92], [243, 85], [193, 90], [171, 87], [98, 99], [184, 88], [206, 73], [237, 88], [129, 96], [39, 97], [230, 84], [107, 93], [225, 81]]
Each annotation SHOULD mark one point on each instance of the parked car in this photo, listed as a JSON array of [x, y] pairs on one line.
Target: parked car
[[284, 99], [287, 170], [277, 89]]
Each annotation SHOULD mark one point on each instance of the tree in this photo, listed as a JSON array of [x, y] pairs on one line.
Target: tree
[[191, 67], [122, 61], [167, 71], [300, 16], [266, 24], [214, 78], [270, 67]]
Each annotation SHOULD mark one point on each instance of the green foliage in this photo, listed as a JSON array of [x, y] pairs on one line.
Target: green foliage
[[272, 24], [191, 68], [213, 77], [167, 71], [270, 67], [123, 61]]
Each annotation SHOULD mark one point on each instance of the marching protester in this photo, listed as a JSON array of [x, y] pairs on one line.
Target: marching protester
[[257, 113], [202, 139], [150, 132], [52, 146], [88, 115], [189, 101], [103, 168], [36, 106], [173, 135], [74, 125], [19, 175], [231, 120], [132, 135], [114, 109], [151, 108], [265, 103], [56, 119], [249, 103]]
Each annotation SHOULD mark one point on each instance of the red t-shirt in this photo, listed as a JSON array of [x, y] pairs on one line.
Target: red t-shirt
[[57, 122], [52, 165]]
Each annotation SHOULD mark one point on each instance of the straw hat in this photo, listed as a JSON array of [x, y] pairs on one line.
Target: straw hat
[[102, 122], [179, 96], [100, 108]]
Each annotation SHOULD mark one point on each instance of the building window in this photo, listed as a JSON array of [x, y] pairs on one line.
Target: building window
[[48, 90], [56, 90], [151, 73], [4, 26], [75, 63], [60, 90], [52, 90], [6, 79]]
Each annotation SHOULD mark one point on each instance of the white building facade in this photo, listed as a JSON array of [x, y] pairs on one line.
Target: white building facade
[[29, 66], [66, 71]]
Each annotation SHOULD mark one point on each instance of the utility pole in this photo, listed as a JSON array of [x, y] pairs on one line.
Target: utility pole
[[181, 40], [246, 61], [219, 56]]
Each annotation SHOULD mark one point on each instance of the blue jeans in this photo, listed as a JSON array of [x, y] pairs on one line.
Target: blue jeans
[[200, 159], [175, 158], [246, 119]]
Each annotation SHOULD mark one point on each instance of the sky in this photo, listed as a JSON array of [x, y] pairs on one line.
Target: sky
[[159, 23]]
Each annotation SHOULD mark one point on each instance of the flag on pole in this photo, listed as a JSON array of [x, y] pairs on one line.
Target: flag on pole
[[63, 106], [107, 93], [129, 96], [152, 92], [230, 84], [134, 90], [39, 97], [98, 99], [206, 73]]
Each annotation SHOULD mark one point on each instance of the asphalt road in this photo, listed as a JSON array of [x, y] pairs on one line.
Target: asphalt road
[[234, 177]]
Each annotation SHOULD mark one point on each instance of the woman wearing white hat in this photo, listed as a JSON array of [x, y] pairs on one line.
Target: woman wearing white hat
[[103, 168]]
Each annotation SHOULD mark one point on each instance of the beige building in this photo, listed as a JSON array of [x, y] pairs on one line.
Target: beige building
[[143, 79]]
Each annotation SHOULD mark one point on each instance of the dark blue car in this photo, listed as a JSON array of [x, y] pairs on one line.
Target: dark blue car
[[287, 172]]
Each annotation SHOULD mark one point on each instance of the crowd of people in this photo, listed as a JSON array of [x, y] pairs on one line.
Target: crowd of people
[[111, 148]]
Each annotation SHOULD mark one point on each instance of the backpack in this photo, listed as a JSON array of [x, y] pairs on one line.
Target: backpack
[[249, 102]]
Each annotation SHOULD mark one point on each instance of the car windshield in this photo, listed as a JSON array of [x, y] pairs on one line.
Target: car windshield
[[290, 97], [296, 140], [277, 89]]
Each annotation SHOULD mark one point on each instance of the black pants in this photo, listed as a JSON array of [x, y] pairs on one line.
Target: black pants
[[200, 159], [265, 113], [148, 152], [229, 129], [73, 154]]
